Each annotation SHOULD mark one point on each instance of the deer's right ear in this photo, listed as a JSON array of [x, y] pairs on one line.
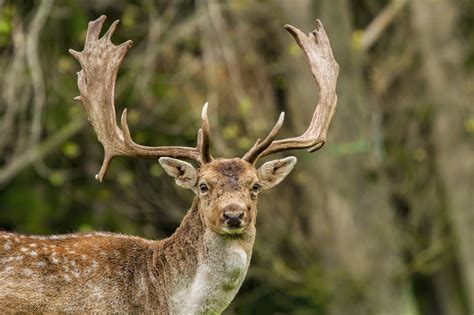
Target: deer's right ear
[[184, 173]]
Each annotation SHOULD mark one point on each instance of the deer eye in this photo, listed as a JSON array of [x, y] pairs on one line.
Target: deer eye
[[203, 188], [255, 188]]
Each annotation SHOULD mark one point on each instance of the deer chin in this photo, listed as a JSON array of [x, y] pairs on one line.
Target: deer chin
[[227, 230]]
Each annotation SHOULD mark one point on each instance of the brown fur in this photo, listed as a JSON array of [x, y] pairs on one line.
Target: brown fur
[[96, 272], [105, 272]]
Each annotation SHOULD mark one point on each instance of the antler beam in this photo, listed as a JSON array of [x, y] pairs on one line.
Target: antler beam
[[100, 61], [325, 71]]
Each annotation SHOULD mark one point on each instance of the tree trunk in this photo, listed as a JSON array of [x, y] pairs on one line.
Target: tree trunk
[[442, 56]]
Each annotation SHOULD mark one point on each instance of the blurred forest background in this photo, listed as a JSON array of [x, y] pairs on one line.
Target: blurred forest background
[[379, 221]]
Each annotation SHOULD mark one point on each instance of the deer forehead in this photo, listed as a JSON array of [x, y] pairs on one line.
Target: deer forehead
[[234, 173]]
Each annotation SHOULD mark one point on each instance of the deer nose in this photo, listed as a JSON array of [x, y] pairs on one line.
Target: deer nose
[[233, 215]]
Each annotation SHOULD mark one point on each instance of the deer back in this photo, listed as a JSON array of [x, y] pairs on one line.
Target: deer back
[[72, 272]]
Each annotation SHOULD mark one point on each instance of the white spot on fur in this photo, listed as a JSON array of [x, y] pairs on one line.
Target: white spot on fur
[[97, 292], [33, 254], [33, 245], [6, 260], [9, 269], [24, 249], [58, 237], [67, 278], [40, 264], [27, 272], [54, 259], [7, 246], [76, 272]]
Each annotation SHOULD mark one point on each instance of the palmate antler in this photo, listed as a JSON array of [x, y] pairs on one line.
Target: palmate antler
[[325, 70], [100, 61]]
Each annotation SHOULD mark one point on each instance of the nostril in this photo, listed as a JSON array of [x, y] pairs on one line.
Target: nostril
[[233, 219], [233, 215]]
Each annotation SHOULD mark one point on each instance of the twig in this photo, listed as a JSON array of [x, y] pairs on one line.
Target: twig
[[37, 77], [156, 27], [228, 51], [12, 84], [39, 151], [34, 64], [380, 23]]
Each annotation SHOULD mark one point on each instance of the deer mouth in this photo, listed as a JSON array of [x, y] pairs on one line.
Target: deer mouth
[[233, 230]]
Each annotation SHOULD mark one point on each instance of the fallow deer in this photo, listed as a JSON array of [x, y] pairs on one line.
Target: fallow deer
[[198, 269]]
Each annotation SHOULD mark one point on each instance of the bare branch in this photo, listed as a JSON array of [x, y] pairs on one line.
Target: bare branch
[[380, 23], [35, 66], [39, 151], [13, 92]]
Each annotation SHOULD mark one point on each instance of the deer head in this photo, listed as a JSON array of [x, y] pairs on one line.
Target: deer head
[[226, 189]]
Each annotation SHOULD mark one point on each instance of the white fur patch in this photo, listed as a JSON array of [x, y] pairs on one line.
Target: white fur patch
[[7, 246], [217, 280]]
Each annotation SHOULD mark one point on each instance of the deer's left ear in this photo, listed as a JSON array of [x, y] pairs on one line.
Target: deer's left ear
[[184, 173], [272, 173]]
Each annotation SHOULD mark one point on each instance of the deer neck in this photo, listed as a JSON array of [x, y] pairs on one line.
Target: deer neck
[[205, 269]]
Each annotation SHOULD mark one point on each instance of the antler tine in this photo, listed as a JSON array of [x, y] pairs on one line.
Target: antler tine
[[259, 146], [94, 28], [111, 30], [325, 71], [206, 136], [100, 61]]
